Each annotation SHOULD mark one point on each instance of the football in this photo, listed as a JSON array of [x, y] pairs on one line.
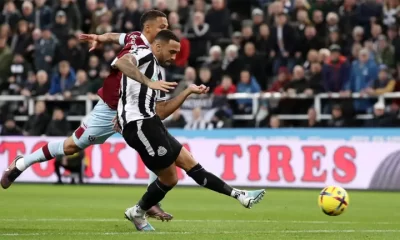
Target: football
[[333, 200]]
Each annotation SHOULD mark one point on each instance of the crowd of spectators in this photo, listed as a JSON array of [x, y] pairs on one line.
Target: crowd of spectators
[[232, 46]]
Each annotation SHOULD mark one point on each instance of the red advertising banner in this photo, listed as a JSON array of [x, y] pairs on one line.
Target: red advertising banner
[[305, 164]]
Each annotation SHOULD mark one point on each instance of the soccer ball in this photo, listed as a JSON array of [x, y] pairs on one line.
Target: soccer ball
[[333, 200]]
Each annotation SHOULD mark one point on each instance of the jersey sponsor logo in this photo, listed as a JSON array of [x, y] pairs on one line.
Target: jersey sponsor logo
[[161, 151]]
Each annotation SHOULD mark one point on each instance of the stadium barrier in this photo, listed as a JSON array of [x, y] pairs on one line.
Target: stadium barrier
[[30, 103], [353, 159]]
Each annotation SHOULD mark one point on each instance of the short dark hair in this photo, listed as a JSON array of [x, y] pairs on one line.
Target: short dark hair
[[167, 35], [150, 16]]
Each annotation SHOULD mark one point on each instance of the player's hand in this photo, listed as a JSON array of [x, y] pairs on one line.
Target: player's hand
[[199, 89], [90, 38], [116, 127], [162, 85]]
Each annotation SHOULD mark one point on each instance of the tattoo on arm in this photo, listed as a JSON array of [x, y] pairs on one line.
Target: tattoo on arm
[[127, 65], [109, 37]]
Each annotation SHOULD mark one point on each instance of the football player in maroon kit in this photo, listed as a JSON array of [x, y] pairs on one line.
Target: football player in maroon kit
[[98, 126]]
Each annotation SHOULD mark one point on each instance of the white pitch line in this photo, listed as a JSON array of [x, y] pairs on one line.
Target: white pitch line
[[191, 221], [203, 232]]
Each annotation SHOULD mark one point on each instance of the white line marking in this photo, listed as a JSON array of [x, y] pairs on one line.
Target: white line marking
[[203, 232], [191, 221]]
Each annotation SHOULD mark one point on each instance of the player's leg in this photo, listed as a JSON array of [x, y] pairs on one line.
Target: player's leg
[[95, 129], [156, 191], [208, 180], [156, 211]]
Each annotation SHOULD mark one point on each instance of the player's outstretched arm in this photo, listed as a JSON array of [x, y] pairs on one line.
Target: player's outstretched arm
[[127, 64], [166, 108], [103, 38]]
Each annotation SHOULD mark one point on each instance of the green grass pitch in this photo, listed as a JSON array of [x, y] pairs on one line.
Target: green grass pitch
[[96, 212]]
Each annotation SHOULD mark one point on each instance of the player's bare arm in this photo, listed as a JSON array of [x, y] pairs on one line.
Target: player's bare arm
[[166, 108], [127, 65], [103, 38]]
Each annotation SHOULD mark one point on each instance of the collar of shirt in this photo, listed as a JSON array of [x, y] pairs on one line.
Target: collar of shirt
[[145, 40]]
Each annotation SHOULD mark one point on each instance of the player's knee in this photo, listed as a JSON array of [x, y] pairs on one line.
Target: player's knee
[[169, 181], [185, 160], [70, 147]]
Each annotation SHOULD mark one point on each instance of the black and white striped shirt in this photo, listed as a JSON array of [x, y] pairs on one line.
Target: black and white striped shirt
[[137, 101]]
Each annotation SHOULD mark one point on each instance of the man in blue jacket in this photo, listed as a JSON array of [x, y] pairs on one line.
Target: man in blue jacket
[[63, 79], [363, 72]]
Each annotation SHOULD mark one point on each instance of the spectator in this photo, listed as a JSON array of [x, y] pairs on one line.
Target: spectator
[[10, 128], [147, 5], [323, 55], [312, 57], [29, 85], [380, 119], [310, 41], [72, 12], [383, 84], [93, 68], [188, 79], [42, 15], [5, 63], [82, 86], [226, 87], [385, 52], [198, 122], [37, 85], [10, 15], [177, 120], [61, 29], [297, 85], [319, 23], [130, 19], [274, 122], [45, 49], [27, 13], [312, 121], [58, 125], [108, 56], [315, 80], [18, 74], [182, 57], [302, 21], [282, 38], [363, 72], [198, 35], [161, 5], [247, 84], [263, 40], [184, 12], [337, 119], [207, 78], [282, 79], [255, 64], [247, 35], [173, 19], [257, 16], [348, 13], [232, 65], [37, 123], [73, 53], [332, 20], [218, 17], [200, 6], [391, 10], [376, 31], [335, 38], [21, 39], [63, 79], [336, 71], [214, 62], [369, 13]]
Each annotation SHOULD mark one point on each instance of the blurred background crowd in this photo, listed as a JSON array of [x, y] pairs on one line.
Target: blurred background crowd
[[290, 47]]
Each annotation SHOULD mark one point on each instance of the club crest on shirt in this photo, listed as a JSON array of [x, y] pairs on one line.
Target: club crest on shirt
[[91, 138]]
